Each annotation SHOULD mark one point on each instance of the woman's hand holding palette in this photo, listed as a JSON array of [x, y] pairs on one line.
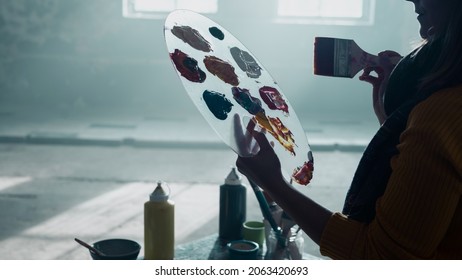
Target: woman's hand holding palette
[[233, 91]]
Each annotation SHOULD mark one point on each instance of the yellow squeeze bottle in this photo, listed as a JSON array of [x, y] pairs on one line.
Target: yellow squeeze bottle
[[159, 221]]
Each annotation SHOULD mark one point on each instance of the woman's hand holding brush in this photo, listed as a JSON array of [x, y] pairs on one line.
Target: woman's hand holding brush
[[387, 63]]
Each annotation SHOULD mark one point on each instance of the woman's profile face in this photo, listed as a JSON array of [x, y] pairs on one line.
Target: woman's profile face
[[432, 15]]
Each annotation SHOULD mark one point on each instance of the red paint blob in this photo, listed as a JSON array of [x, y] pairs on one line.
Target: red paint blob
[[187, 66], [304, 173]]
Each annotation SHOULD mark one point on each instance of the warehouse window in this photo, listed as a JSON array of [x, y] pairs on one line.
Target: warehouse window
[[158, 8], [329, 12]]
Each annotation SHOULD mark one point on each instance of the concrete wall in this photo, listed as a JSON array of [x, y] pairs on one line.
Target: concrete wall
[[78, 57]]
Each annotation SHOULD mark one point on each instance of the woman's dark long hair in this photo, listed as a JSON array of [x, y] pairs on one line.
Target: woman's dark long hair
[[434, 65], [447, 70]]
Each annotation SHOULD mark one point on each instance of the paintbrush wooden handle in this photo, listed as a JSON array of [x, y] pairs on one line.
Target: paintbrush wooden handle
[[343, 58], [360, 59], [363, 59]]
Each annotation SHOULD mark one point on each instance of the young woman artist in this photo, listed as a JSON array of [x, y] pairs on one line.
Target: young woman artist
[[405, 198]]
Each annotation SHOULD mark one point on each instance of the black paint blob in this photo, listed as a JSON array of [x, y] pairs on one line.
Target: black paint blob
[[217, 33], [217, 103]]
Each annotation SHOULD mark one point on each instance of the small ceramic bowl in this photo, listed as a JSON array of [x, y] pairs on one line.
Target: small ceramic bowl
[[116, 249], [243, 250]]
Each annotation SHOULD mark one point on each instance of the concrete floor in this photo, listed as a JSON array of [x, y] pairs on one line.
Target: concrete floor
[[51, 193], [89, 176]]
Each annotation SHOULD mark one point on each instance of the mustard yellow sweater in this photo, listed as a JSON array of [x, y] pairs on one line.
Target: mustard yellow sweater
[[420, 214]]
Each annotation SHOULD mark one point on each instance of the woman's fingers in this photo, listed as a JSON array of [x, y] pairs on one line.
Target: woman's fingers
[[251, 125], [242, 141], [248, 135], [366, 77], [261, 140], [251, 143], [374, 80]]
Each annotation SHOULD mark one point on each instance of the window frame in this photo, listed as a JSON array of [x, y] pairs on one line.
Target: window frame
[[128, 11], [367, 18]]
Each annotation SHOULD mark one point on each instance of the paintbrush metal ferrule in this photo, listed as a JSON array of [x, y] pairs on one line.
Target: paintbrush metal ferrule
[[342, 51]]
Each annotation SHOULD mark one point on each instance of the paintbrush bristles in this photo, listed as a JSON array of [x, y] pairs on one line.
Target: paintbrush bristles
[[323, 63]]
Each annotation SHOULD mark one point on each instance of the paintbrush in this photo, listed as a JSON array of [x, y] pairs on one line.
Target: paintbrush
[[267, 213], [336, 57]]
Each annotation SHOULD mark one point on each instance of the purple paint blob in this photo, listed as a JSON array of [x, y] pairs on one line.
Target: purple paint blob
[[246, 100]]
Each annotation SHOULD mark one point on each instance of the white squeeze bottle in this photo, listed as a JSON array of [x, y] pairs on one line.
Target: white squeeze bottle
[[159, 221]]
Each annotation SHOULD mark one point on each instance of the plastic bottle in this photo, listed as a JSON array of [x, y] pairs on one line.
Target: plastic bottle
[[159, 221], [233, 200]]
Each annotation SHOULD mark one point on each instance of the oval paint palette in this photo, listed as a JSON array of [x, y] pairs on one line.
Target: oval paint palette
[[232, 90]]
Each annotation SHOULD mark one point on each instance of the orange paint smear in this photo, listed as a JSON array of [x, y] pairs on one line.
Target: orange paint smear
[[276, 128]]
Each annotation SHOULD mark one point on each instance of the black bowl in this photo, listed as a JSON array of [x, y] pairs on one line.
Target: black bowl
[[243, 250], [116, 249]]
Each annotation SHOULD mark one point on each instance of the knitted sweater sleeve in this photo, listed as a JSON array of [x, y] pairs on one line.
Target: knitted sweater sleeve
[[422, 201]]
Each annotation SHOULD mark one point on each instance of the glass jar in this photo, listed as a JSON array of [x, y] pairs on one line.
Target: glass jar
[[289, 246]]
